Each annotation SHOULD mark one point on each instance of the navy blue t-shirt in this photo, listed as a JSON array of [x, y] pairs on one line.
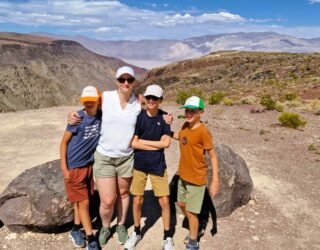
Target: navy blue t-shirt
[[85, 137], [152, 129]]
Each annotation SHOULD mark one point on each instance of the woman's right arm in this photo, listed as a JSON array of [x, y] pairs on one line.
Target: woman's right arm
[[74, 118]]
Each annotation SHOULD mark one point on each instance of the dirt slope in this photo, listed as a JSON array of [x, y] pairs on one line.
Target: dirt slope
[[284, 212]]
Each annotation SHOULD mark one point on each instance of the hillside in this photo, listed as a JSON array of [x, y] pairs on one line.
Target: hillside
[[242, 74], [38, 72]]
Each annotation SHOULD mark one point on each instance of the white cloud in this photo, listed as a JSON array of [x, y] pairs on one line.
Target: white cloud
[[115, 20], [314, 1], [180, 51], [220, 17], [106, 29]]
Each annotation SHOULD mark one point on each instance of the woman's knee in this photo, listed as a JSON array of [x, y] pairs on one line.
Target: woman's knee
[[124, 193], [108, 202]]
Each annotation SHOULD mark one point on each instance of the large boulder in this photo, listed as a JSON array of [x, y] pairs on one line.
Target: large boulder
[[36, 200], [235, 181]]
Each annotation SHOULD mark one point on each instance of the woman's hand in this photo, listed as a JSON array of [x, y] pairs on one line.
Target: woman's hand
[[74, 118]]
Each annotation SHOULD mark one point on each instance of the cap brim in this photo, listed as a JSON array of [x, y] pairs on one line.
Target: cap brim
[[190, 107], [89, 99]]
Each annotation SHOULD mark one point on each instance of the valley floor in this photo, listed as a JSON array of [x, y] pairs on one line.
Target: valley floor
[[284, 212]]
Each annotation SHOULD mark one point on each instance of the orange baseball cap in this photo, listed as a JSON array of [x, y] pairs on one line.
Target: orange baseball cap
[[90, 94]]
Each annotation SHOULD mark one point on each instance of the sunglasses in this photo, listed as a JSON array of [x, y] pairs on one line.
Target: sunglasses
[[123, 80], [191, 111], [151, 97]]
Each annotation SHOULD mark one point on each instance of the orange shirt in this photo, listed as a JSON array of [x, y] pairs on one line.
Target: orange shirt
[[193, 167]]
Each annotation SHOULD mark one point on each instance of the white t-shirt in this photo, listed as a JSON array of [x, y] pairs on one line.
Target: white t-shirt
[[118, 125]]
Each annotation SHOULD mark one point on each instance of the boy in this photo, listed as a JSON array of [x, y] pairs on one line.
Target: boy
[[76, 151], [194, 139], [152, 135]]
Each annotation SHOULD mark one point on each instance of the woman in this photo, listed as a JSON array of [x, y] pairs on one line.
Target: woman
[[113, 164]]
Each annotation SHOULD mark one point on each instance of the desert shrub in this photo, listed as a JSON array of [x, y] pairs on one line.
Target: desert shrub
[[271, 104], [290, 96], [312, 147], [181, 117], [291, 120], [293, 76], [183, 95], [279, 107], [227, 101], [248, 100], [216, 97], [268, 102]]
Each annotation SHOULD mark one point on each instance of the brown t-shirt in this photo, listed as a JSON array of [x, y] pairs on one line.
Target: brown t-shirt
[[193, 144]]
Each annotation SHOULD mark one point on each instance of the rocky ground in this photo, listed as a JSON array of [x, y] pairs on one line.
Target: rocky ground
[[284, 212]]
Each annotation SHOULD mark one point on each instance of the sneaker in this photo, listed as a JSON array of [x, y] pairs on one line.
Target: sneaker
[[93, 246], [187, 238], [168, 244], [192, 247], [104, 234], [122, 234], [76, 238], [132, 241]]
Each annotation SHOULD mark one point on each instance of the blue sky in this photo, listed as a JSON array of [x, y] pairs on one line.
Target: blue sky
[[136, 19]]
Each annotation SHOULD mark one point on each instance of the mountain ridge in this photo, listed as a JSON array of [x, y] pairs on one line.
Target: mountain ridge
[[171, 50], [39, 72]]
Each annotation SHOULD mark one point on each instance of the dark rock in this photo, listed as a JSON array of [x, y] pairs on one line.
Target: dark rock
[[235, 181], [36, 200], [257, 110]]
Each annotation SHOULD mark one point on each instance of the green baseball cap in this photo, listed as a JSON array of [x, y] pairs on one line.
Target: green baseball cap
[[194, 102]]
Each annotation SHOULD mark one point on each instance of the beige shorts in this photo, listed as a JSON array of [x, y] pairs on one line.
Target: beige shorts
[[105, 166], [192, 195], [160, 184]]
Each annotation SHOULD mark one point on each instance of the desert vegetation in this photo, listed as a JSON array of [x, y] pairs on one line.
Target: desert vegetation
[[291, 120]]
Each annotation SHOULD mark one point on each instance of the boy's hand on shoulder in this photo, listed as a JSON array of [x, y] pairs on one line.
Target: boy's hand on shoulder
[[168, 118], [214, 189], [74, 118]]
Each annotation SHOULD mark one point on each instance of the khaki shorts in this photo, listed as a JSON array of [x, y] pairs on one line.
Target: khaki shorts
[[80, 184], [192, 195], [160, 184], [105, 166]]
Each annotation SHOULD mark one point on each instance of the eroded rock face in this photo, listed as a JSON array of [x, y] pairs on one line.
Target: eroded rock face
[[235, 181], [36, 200]]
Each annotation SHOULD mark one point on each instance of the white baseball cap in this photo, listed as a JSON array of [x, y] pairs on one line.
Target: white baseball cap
[[194, 102], [124, 70], [154, 90], [89, 94]]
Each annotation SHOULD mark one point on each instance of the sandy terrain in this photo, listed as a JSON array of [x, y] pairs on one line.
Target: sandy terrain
[[284, 212]]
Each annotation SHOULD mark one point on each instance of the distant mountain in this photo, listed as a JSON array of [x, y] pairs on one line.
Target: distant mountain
[[150, 53], [38, 72]]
